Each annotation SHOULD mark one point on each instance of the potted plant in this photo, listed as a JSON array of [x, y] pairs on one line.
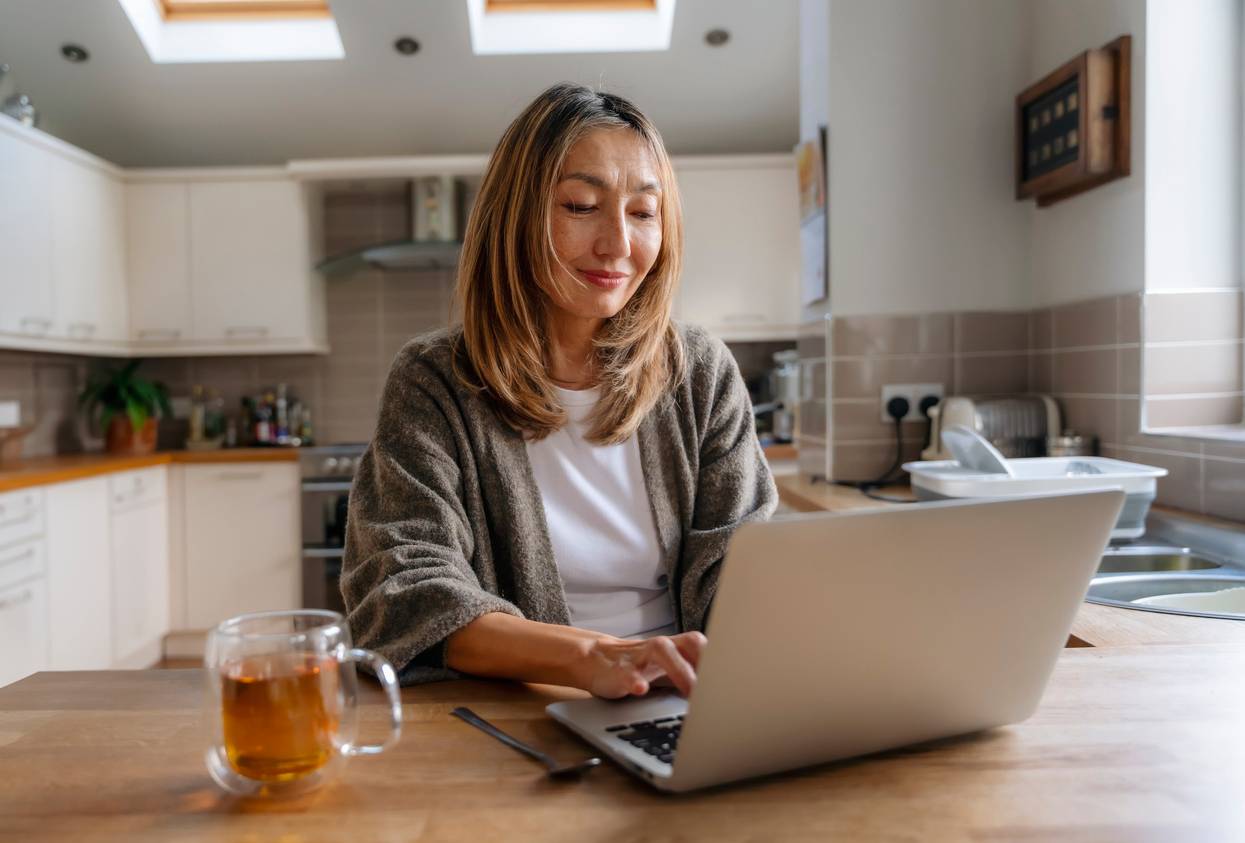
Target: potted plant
[[124, 406]]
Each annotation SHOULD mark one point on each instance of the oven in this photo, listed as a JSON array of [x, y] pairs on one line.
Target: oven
[[327, 472]]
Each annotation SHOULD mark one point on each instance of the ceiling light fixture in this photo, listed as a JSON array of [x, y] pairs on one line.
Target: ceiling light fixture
[[406, 45], [74, 53], [717, 37]]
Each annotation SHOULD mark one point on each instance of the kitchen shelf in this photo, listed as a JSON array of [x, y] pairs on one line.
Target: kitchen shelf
[[401, 255]]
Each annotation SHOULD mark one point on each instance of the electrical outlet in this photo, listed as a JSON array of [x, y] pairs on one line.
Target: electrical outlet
[[913, 392]]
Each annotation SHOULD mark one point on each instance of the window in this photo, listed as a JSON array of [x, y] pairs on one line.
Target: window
[[201, 10], [178, 31], [569, 26]]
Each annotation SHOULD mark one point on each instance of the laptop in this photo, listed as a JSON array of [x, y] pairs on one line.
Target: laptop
[[834, 635]]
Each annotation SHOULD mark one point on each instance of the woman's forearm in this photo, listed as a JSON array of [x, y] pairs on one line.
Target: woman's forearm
[[502, 646]]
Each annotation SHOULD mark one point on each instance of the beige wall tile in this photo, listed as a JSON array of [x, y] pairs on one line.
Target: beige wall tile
[[1085, 372], [814, 456], [937, 333], [811, 418], [1192, 369], [1224, 495], [1041, 329], [1193, 317], [1182, 487], [1220, 448], [1129, 377], [1131, 435], [865, 378], [1191, 412], [811, 338], [1128, 312], [1087, 323], [1041, 372], [856, 336], [866, 461], [991, 374], [991, 331], [856, 420], [1096, 417]]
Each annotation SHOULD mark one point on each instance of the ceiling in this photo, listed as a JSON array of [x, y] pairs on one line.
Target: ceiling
[[739, 98]]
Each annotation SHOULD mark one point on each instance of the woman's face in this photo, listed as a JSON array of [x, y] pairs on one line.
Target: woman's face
[[606, 223]]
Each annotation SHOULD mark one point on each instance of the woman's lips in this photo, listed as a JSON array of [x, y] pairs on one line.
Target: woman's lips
[[604, 280]]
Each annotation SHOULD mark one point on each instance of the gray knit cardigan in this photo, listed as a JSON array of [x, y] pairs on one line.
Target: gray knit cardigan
[[446, 521]]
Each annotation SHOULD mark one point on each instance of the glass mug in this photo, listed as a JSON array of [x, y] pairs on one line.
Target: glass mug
[[282, 701]]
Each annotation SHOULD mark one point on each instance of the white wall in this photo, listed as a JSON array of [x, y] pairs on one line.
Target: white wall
[[1193, 141], [1093, 244], [923, 216]]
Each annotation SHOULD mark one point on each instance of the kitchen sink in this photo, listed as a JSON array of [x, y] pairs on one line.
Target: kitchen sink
[[1135, 572]]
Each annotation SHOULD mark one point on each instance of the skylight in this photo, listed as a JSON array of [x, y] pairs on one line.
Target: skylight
[[179, 31], [569, 26]]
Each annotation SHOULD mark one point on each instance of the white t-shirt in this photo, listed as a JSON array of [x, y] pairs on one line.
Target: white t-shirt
[[601, 527]]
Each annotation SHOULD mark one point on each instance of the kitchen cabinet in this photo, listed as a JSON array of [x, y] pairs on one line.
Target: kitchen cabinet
[[23, 585], [242, 540], [25, 236], [138, 503], [251, 279], [157, 226], [88, 253], [79, 576], [741, 246]]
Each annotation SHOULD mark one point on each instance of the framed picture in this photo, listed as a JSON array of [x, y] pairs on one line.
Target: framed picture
[[810, 157]]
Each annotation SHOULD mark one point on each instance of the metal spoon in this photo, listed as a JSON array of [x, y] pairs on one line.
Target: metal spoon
[[555, 770]]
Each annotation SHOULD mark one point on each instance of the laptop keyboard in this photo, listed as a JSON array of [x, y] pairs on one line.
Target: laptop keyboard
[[659, 738]]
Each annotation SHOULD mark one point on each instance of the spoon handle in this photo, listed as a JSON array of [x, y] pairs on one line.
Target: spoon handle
[[464, 713]]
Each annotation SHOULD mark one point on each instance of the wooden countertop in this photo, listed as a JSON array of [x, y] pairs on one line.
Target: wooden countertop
[[43, 470], [1130, 743], [1095, 626]]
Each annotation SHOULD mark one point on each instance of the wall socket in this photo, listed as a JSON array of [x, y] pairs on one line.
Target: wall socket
[[914, 392]]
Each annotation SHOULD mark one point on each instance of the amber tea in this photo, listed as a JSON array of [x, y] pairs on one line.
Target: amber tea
[[281, 714]]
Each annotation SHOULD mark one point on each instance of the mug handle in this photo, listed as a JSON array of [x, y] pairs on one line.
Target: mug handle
[[389, 681]]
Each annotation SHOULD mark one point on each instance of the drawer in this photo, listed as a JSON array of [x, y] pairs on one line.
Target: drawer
[[21, 516], [22, 561], [128, 489], [23, 630]]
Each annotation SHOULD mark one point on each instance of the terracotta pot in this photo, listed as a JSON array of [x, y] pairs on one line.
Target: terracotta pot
[[122, 439]]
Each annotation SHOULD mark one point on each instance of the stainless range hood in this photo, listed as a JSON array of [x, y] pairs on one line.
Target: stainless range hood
[[404, 255]]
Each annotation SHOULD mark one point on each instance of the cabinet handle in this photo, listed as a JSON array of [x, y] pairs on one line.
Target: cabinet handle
[[84, 330], [30, 323], [160, 335], [25, 554], [245, 331], [239, 475], [13, 602], [21, 519]]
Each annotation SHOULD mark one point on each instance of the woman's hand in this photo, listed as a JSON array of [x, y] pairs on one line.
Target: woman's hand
[[616, 667]]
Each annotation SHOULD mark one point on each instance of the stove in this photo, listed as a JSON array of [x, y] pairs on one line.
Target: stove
[[327, 472]]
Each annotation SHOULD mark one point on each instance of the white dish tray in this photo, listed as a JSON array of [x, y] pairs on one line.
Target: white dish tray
[[938, 479]]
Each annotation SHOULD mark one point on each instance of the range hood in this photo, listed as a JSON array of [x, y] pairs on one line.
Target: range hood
[[398, 255]]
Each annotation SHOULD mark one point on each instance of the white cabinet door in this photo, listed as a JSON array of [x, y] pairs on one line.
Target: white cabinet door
[[88, 258], [250, 262], [23, 630], [741, 251], [140, 566], [243, 540], [157, 227], [79, 575], [25, 236]]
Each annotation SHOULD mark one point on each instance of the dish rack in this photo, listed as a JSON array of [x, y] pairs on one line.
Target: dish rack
[[1018, 425]]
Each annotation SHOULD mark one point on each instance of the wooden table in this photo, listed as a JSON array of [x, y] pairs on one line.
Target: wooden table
[[1130, 744]]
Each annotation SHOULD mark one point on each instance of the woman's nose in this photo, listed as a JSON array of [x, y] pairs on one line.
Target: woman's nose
[[612, 238]]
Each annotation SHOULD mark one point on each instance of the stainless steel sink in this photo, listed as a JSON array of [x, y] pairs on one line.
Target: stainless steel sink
[[1132, 572]]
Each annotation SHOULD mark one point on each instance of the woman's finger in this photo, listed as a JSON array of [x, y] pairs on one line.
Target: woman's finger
[[691, 645], [666, 655]]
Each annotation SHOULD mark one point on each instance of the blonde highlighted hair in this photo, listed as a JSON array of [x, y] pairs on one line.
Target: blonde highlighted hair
[[508, 265]]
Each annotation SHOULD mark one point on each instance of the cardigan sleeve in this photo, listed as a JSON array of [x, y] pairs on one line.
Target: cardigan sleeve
[[733, 480], [407, 579]]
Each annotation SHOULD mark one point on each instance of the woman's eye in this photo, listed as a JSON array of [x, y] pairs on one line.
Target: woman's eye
[[645, 215], [579, 209]]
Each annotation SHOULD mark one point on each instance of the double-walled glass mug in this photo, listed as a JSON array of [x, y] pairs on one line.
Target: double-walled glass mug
[[282, 701]]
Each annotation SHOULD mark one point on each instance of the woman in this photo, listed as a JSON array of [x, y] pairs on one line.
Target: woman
[[552, 486]]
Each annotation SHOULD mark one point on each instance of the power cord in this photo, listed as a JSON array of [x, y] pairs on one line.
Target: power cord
[[896, 408]]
